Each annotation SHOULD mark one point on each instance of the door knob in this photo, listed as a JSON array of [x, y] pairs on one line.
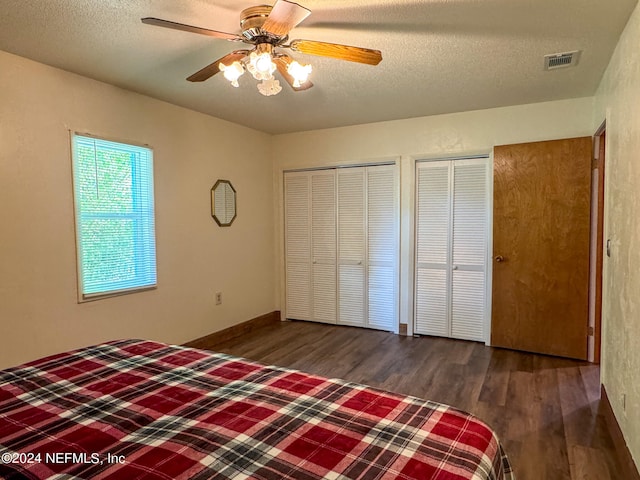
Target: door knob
[[499, 258]]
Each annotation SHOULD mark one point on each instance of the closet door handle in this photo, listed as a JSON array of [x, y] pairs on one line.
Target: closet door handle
[[499, 258]]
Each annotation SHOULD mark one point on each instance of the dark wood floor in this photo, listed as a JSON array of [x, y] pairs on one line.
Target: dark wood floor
[[544, 409]]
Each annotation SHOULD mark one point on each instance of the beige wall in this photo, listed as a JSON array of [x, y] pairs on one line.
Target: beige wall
[[438, 136], [39, 313], [618, 101]]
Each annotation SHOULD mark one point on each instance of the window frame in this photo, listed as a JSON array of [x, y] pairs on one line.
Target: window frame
[[136, 215]]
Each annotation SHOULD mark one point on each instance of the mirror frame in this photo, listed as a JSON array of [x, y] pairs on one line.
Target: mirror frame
[[213, 203]]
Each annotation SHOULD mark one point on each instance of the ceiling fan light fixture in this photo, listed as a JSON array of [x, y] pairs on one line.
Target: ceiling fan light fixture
[[299, 72], [269, 87], [261, 65], [232, 72]]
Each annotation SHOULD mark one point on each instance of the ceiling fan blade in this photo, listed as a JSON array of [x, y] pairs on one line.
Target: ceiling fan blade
[[213, 68], [334, 50], [282, 62], [283, 17], [158, 22]]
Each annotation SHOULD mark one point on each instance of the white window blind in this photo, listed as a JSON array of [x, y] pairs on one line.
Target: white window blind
[[113, 190]]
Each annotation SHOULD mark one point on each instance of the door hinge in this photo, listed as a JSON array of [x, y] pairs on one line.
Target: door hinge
[[590, 331]]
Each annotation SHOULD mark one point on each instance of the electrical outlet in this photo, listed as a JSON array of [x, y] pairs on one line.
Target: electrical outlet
[[218, 298]]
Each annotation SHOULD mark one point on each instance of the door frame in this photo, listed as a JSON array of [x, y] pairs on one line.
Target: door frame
[[597, 250]]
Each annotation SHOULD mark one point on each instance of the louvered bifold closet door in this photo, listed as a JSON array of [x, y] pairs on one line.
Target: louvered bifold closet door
[[470, 218], [298, 245], [433, 210], [382, 242], [352, 246], [323, 241]]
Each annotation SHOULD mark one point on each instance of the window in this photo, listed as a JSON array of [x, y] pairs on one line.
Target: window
[[115, 234]]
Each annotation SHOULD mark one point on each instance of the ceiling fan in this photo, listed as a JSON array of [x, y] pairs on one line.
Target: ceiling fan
[[267, 29]]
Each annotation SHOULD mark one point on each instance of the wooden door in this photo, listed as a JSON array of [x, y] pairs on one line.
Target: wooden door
[[541, 209]]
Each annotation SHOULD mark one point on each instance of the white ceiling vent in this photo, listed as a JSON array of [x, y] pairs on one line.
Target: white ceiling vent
[[561, 60]]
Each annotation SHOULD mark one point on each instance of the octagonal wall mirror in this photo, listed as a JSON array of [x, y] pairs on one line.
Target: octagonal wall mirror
[[223, 203]]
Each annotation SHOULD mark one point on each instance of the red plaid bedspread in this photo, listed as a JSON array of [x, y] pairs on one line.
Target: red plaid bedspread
[[136, 409]]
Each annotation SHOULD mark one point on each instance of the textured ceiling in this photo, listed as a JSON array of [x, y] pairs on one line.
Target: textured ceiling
[[439, 56]]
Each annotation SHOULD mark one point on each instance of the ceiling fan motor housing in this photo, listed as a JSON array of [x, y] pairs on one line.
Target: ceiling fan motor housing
[[251, 21]]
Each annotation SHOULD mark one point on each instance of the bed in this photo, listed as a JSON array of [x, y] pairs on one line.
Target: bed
[[137, 409]]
